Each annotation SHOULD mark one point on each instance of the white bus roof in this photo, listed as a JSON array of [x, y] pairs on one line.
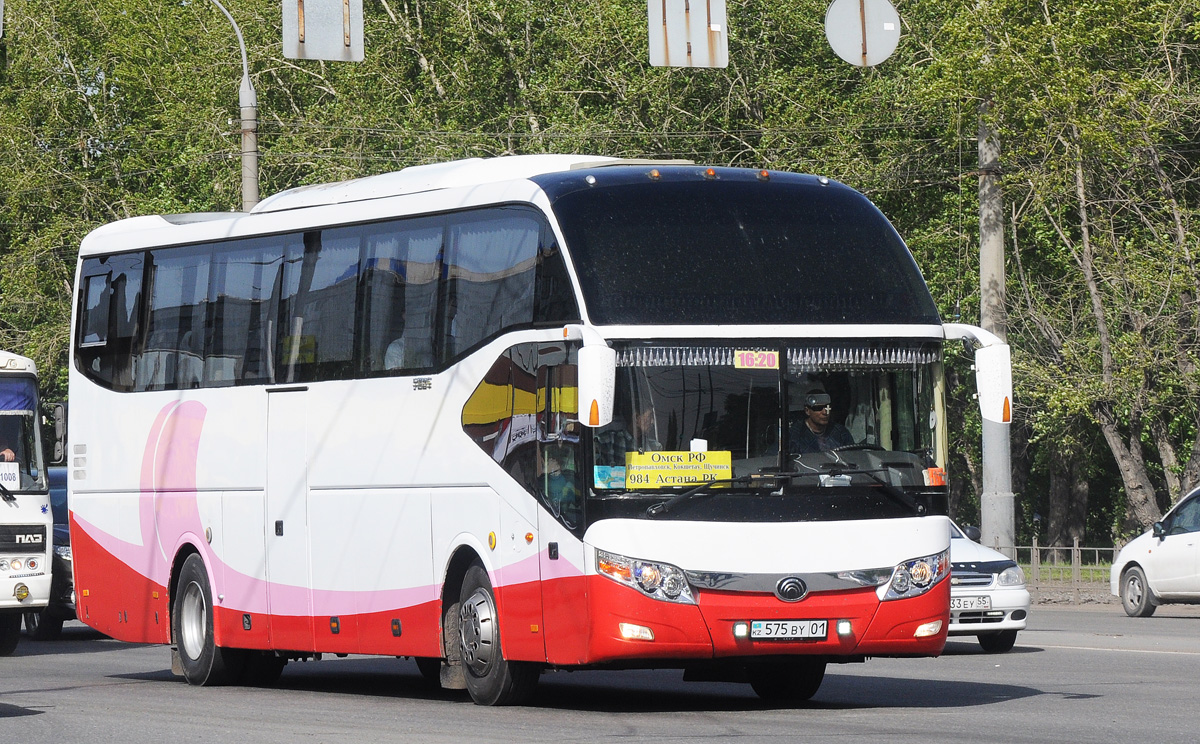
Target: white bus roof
[[417, 178], [412, 180], [10, 362]]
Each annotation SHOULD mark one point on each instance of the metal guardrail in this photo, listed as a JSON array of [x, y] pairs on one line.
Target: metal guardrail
[[1076, 574]]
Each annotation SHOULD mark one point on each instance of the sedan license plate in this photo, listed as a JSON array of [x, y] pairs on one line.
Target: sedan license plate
[[970, 603], [789, 630]]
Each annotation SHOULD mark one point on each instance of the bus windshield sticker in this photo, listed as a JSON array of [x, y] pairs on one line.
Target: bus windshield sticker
[[666, 469], [10, 475], [755, 359], [609, 476]]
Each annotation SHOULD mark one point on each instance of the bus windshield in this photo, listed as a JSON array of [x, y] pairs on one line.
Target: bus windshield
[[20, 452], [845, 415]]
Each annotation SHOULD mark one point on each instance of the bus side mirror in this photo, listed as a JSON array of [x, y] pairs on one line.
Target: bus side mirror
[[60, 432], [993, 376], [597, 378]]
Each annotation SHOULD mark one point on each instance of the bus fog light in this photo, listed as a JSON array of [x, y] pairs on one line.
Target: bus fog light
[[21, 592], [631, 632], [844, 628], [741, 630], [928, 629]]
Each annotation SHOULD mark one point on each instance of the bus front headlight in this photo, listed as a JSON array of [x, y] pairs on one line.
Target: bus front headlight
[[917, 576], [656, 580]]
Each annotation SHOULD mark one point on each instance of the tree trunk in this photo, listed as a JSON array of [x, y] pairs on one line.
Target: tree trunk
[[1141, 505]]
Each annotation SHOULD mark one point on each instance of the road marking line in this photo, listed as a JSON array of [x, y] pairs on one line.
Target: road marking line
[[1099, 648]]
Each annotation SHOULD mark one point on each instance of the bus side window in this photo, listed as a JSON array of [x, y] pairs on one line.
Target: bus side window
[[399, 287], [490, 272], [109, 325]]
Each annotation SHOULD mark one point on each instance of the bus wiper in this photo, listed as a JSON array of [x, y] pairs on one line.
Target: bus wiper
[[702, 489], [6, 494]]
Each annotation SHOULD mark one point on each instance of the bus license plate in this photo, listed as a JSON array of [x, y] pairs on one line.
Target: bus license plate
[[789, 630], [970, 603]]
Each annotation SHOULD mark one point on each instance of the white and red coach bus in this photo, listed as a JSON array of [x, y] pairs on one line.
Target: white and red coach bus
[[511, 415]]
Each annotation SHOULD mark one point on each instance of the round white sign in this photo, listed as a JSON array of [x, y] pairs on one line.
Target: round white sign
[[862, 32]]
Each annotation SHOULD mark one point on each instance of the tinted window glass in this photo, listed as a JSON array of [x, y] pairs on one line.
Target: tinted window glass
[[243, 313], [109, 319], [734, 250], [173, 356], [490, 274], [400, 271], [320, 284]]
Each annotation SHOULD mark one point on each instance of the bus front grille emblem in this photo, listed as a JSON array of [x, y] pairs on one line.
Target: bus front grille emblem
[[791, 589]]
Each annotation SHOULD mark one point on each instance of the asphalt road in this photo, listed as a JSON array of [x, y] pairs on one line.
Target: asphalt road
[[1077, 674]]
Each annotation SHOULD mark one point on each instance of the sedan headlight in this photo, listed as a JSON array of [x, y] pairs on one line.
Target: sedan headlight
[[656, 580], [1011, 576], [914, 578], [63, 551]]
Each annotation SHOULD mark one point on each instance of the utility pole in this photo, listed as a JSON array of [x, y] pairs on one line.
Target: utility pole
[[248, 103], [996, 503]]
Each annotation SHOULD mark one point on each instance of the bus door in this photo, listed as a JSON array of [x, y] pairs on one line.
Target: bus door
[[289, 593], [560, 527]]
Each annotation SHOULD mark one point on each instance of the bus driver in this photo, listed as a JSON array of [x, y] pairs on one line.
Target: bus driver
[[815, 433]]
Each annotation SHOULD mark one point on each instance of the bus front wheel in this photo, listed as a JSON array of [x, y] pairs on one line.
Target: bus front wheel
[[204, 663], [491, 679], [795, 681]]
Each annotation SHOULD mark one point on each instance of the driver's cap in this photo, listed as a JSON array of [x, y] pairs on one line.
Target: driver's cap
[[816, 399]]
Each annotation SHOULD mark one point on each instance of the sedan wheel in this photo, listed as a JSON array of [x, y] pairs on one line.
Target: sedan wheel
[[1135, 594]]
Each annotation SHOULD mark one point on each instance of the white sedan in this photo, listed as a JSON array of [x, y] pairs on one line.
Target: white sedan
[[988, 598], [1163, 565]]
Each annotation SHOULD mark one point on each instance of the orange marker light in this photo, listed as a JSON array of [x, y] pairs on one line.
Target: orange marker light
[[764, 175], [710, 173], [1006, 415], [594, 414], [528, 538], [654, 174]]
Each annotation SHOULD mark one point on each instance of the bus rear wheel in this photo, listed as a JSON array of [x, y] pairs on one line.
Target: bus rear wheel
[[204, 663], [794, 681], [491, 679]]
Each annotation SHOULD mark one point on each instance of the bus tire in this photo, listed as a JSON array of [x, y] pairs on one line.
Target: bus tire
[[491, 679], [795, 681], [430, 669], [41, 627], [262, 668], [10, 632], [203, 662]]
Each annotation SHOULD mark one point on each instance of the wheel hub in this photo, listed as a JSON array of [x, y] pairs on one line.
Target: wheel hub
[[478, 633], [193, 625]]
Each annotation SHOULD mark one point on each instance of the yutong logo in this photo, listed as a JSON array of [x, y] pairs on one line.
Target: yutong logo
[[791, 589], [29, 539]]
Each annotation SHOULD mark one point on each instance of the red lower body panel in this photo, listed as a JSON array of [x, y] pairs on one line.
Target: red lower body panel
[[705, 630]]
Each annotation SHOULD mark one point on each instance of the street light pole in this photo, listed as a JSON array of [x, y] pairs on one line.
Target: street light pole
[[248, 102]]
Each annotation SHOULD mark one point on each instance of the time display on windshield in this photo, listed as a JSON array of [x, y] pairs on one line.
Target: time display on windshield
[[743, 359]]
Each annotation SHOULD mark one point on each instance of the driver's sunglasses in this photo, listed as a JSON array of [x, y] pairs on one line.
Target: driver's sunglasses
[[827, 408]]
